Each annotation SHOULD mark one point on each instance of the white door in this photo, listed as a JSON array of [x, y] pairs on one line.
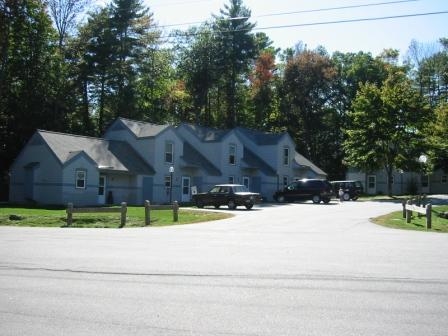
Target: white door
[[371, 184], [102, 190], [186, 189]]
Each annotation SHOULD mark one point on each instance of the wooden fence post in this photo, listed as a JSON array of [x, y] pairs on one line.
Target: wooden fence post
[[428, 216], [123, 214], [408, 213], [175, 211], [69, 214], [147, 213]]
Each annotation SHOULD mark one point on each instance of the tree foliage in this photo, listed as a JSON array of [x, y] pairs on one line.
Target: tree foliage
[[306, 104], [222, 73], [437, 133], [386, 126], [64, 14], [236, 51], [27, 80]]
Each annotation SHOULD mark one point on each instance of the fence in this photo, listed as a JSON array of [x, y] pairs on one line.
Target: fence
[[123, 211], [149, 207], [71, 210], [408, 207]]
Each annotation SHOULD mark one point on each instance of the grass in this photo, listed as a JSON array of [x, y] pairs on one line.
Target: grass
[[57, 217], [396, 220]]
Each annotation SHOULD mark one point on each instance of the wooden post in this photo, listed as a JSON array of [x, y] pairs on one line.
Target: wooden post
[[428, 216], [403, 203], [123, 214], [175, 211], [408, 213], [147, 213], [69, 214]]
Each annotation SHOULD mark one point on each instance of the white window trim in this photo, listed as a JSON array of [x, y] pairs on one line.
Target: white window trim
[[166, 152], [83, 171], [286, 157], [234, 154], [167, 181], [285, 180], [246, 178]]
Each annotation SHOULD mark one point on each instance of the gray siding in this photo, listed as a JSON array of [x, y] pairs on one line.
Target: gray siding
[[79, 196], [439, 186], [206, 163], [47, 176], [402, 182], [124, 188]]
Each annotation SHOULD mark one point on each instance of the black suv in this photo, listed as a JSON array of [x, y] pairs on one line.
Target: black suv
[[304, 190], [352, 189]]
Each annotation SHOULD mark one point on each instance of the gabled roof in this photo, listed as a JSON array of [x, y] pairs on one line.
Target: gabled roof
[[141, 129], [110, 155], [253, 161], [206, 134], [194, 158], [301, 161], [261, 138]]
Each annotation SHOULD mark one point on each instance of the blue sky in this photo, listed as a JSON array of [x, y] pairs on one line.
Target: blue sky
[[369, 36]]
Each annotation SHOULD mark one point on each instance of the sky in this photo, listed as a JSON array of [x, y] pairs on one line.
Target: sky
[[287, 22]]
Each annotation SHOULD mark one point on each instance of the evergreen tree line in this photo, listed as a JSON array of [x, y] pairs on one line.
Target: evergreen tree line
[[341, 109]]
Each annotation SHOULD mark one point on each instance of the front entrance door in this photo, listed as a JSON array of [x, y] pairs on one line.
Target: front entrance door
[[371, 184], [185, 189], [424, 180], [102, 190]]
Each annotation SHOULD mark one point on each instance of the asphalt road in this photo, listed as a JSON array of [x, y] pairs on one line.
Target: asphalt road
[[296, 269]]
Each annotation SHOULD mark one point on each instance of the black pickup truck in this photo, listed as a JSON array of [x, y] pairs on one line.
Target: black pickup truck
[[231, 195]]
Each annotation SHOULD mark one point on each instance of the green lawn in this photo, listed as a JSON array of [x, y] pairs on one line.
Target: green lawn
[[57, 217], [396, 220]]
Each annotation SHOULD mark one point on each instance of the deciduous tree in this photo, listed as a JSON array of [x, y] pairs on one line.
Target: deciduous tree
[[306, 105], [386, 126]]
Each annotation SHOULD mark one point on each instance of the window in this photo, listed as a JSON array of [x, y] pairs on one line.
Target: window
[[80, 179], [371, 181], [169, 149], [232, 154], [231, 179], [444, 179], [246, 181], [285, 181], [286, 156], [167, 181]]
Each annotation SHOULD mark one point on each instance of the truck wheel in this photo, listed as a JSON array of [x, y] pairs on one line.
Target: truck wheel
[[231, 204], [281, 199]]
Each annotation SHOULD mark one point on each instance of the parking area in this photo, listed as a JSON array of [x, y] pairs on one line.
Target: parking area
[[323, 269]]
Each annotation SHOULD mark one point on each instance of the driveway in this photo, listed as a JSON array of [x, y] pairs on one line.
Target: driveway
[[294, 269]]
